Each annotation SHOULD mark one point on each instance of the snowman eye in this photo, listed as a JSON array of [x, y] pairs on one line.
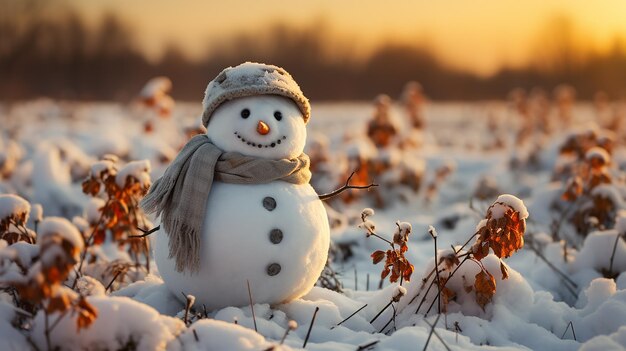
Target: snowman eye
[[278, 115], [245, 113]]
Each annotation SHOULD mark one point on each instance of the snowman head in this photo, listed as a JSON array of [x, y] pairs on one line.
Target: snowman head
[[267, 126], [257, 110]]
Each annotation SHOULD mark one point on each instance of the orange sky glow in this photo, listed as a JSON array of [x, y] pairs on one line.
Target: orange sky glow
[[479, 35]]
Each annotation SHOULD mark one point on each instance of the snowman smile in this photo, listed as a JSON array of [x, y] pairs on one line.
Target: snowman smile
[[259, 145]]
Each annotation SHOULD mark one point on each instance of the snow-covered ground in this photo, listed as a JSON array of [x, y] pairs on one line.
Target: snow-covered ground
[[564, 290]]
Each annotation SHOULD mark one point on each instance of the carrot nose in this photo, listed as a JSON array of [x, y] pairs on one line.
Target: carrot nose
[[262, 128]]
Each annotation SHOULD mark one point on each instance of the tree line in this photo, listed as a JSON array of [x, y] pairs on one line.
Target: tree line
[[54, 53]]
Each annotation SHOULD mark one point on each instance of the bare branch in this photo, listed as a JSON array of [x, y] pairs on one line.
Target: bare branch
[[113, 280], [570, 324], [613, 253], [345, 187], [145, 232], [251, 306], [350, 316]]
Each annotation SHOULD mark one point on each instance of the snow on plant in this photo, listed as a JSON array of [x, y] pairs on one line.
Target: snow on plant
[[10, 155], [114, 211], [593, 196], [501, 232], [14, 213], [395, 261], [156, 99], [36, 267], [503, 228], [155, 94]]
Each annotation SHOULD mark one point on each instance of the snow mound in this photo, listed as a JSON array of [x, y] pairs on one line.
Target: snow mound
[[597, 251], [10, 338], [121, 323], [615, 341], [210, 334]]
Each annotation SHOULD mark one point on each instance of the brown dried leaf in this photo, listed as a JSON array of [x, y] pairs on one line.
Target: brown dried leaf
[[87, 314], [485, 287], [378, 256], [504, 270], [58, 303]]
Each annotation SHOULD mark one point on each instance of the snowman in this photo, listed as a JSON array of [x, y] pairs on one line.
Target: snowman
[[236, 205]]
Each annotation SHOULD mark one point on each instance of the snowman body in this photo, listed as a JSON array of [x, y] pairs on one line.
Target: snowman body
[[274, 236]]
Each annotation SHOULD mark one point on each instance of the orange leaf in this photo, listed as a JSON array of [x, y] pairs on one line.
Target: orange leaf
[[87, 313], [485, 287], [58, 303]]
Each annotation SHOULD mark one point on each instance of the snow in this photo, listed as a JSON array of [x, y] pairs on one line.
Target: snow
[[104, 166], [93, 210], [88, 286], [60, 226], [121, 321], [532, 309], [510, 201], [598, 153], [10, 338], [367, 212], [597, 250], [211, 334], [12, 205], [37, 212], [138, 170], [615, 341]]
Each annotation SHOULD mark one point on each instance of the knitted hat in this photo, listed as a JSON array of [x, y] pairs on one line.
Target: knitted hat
[[249, 79]]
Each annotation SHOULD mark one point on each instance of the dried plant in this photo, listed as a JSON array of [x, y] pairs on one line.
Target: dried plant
[[589, 190], [501, 232], [504, 235], [13, 223], [395, 261], [120, 215], [39, 284], [441, 174]]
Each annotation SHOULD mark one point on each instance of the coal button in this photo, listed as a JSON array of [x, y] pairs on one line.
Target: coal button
[[276, 236], [273, 269], [269, 203]]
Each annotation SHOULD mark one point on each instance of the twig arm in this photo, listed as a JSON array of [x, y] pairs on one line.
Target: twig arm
[[345, 187], [145, 232]]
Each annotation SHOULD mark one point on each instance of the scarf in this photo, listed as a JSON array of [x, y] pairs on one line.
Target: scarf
[[180, 195]]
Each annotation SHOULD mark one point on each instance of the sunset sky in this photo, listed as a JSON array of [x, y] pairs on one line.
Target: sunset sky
[[478, 35]]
